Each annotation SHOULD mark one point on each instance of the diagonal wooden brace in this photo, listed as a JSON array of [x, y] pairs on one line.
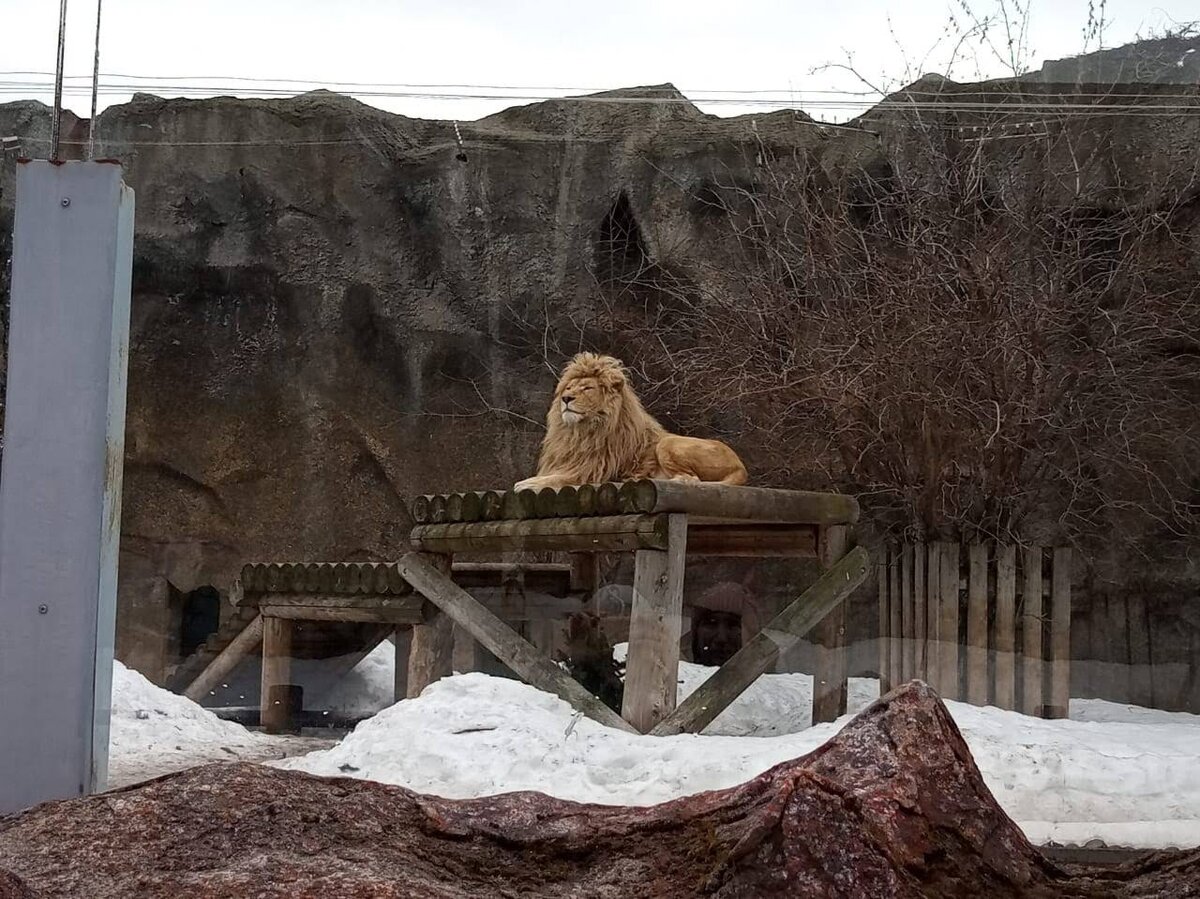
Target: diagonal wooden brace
[[757, 656], [502, 641]]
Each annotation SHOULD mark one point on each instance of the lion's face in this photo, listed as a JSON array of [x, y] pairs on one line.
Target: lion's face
[[588, 399]]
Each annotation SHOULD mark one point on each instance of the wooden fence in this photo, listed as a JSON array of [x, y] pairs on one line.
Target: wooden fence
[[984, 623]]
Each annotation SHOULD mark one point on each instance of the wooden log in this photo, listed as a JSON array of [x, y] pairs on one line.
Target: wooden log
[[885, 623], [420, 509], [585, 499], [753, 541], [276, 672], [439, 509], [397, 585], [545, 502], [933, 607], [977, 624], [1060, 634], [431, 652], [274, 579], [402, 638], [829, 675], [499, 639], [566, 502], [325, 578], [920, 613], [760, 654], [550, 578], [1005, 677], [655, 625], [519, 504], [599, 534], [407, 614], [226, 660], [608, 499], [722, 501], [491, 506], [896, 614], [1032, 655], [908, 668], [949, 653], [247, 577], [297, 577], [454, 507]]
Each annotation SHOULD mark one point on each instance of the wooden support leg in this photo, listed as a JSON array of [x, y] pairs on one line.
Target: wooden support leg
[[757, 656], [431, 654], [276, 674], [403, 640], [652, 669], [829, 679]]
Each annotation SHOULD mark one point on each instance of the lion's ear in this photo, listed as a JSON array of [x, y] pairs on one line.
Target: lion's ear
[[613, 379]]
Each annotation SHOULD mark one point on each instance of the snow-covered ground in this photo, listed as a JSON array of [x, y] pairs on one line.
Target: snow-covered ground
[[1123, 775], [155, 732]]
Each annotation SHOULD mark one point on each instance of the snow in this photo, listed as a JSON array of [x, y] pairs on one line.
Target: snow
[[1118, 774], [154, 731]]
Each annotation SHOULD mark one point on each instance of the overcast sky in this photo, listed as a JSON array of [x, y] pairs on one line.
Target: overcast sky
[[701, 46]]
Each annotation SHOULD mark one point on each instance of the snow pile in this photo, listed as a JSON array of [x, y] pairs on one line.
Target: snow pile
[[367, 689], [1063, 781], [149, 719]]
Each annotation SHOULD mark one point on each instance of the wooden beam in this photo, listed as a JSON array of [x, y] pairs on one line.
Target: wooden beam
[[948, 679], [402, 638], [501, 641], [933, 609], [431, 651], [757, 656], [908, 668], [885, 622], [753, 541], [1060, 634], [655, 624], [722, 501], [977, 624], [226, 660], [602, 534], [409, 614], [829, 676], [1032, 655], [276, 672], [1006, 626], [920, 614], [896, 611]]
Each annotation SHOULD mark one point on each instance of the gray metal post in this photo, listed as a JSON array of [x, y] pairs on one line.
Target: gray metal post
[[60, 481]]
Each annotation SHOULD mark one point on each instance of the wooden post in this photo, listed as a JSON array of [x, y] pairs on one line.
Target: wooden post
[[431, 651], [655, 624], [920, 615], [948, 615], [908, 668], [1031, 633], [885, 621], [829, 678], [896, 612], [977, 625], [1006, 623], [499, 639], [276, 673], [1060, 634], [757, 656], [933, 605], [402, 637]]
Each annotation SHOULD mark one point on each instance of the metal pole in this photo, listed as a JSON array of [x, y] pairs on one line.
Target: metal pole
[[91, 153], [58, 79]]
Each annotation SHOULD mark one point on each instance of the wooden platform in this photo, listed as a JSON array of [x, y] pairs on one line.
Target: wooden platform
[[661, 522]]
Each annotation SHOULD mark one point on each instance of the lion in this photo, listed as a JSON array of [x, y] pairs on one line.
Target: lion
[[597, 431]]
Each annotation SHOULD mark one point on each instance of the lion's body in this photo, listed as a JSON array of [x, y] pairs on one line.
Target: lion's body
[[597, 430]]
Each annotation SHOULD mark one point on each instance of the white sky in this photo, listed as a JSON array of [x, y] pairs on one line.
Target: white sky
[[702, 46]]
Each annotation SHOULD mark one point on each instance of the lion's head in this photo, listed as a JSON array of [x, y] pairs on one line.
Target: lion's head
[[596, 427]]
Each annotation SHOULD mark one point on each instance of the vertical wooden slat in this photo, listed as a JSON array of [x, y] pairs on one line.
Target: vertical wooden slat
[[431, 646], [920, 610], [274, 712], [933, 605], [1138, 629], [402, 637], [885, 622], [1032, 663], [1060, 634], [977, 624], [908, 647], [655, 624], [830, 676], [896, 611], [948, 649], [1006, 625]]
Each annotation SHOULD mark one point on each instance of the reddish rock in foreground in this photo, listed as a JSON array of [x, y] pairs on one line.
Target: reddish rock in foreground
[[893, 806]]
